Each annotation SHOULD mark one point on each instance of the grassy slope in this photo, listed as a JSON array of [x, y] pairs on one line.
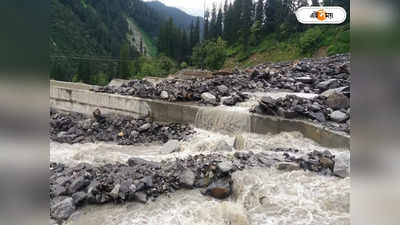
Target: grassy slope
[[317, 41]]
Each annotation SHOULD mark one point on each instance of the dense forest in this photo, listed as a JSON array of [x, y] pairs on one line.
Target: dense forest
[[238, 33]]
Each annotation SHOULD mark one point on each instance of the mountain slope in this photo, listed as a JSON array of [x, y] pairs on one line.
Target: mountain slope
[[181, 18], [95, 29]]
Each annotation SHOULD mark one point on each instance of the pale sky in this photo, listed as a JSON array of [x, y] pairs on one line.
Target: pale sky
[[193, 7]]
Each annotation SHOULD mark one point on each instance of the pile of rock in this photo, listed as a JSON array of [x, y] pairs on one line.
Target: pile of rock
[[140, 180], [206, 91], [332, 111], [77, 128], [307, 76]]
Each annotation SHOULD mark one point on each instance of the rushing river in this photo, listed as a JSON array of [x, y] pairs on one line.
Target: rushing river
[[260, 197]]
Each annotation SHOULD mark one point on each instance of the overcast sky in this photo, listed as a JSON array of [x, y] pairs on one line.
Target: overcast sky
[[193, 7]]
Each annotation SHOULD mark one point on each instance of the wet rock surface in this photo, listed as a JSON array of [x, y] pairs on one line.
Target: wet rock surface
[[76, 128], [141, 180]]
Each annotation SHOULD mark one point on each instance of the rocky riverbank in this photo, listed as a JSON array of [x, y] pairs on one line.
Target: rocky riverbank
[[140, 180], [76, 128]]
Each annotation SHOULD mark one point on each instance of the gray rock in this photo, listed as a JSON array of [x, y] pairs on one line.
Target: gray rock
[[78, 184], [208, 98], [164, 95], [288, 166], [79, 198], [327, 84], [140, 197], [318, 116], [338, 116], [335, 91], [225, 167], [305, 79], [223, 146], [148, 181], [338, 101], [134, 133], [187, 178], [239, 143], [61, 208], [145, 127], [220, 189], [115, 191], [342, 165], [59, 190], [315, 107], [170, 147], [223, 89]]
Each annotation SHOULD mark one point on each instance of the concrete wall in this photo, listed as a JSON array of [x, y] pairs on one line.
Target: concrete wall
[[78, 98]]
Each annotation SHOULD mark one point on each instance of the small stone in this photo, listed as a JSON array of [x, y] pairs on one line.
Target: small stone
[[121, 134], [59, 190]]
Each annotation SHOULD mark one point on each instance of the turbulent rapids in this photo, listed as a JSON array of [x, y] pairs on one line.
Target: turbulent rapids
[[109, 169]]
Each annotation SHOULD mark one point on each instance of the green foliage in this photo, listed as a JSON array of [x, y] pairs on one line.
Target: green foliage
[[210, 54], [311, 40]]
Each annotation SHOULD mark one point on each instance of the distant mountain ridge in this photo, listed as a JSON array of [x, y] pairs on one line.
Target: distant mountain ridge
[[180, 17]]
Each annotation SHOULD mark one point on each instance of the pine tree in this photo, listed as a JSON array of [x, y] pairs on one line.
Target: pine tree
[[206, 24], [213, 22], [260, 11], [197, 32], [246, 21], [219, 23]]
